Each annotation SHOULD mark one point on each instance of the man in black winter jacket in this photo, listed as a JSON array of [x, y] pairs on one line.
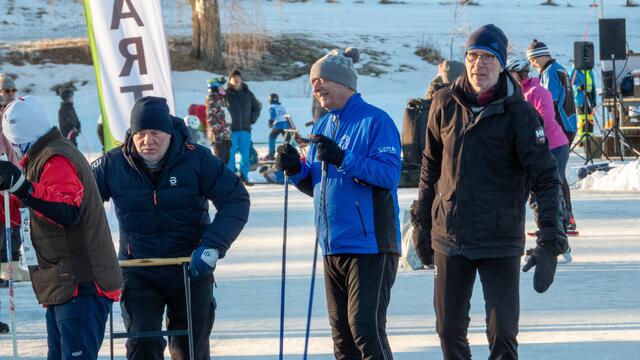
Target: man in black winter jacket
[[160, 185], [68, 121], [485, 146], [245, 110]]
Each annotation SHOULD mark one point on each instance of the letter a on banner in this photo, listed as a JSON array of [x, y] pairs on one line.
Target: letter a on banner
[[130, 58]]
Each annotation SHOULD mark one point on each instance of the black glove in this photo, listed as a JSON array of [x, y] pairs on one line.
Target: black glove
[[288, 159], [327, 150], [271, 123], [545, 262], [580, 87], [12, 179], [421, 234]]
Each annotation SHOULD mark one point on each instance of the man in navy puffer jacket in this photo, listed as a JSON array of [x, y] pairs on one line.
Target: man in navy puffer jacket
[[160, 185], [356, 205]]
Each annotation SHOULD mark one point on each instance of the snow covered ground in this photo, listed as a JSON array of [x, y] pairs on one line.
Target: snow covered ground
[[592, 310]]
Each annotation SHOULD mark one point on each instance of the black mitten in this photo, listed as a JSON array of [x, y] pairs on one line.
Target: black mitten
[[545, 262], [421, 233], [288, 159]]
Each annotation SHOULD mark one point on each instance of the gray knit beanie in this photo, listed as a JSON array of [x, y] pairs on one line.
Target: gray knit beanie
[[337, 66], [6, 82]]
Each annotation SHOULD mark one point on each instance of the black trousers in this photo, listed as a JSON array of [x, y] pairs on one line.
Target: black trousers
[[454, 278], [143, 305], [358, 289]]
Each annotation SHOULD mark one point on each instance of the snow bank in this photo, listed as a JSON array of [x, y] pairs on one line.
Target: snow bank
[[622, 177]]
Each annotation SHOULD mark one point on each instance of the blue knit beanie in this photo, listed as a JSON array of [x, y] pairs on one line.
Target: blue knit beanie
[[151, 113], [490, 38]]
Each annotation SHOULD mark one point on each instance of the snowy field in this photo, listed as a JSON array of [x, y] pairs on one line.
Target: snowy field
[[592, 311]]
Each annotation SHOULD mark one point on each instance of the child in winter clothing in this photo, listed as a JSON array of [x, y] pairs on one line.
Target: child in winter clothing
[[196, 135], [277, 122]]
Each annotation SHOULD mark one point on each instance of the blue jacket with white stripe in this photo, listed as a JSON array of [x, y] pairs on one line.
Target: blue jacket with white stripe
[[555, 79], [356, 205]]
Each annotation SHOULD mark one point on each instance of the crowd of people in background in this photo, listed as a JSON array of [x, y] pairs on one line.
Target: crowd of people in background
[[495, 137]]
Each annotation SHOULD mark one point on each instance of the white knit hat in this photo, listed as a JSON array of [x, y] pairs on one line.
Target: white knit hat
[[24, 121]]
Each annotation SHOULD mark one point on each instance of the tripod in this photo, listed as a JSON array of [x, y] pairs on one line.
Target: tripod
[[615, 128]]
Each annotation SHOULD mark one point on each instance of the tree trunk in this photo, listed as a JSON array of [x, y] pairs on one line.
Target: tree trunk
[[206, 36]]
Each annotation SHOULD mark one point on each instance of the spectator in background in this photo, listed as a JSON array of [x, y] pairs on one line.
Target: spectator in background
[[67, 118], [278, 124], [555, 79], [584, 95], [8, 93], [558, 143], [448, 71], [245, 110]]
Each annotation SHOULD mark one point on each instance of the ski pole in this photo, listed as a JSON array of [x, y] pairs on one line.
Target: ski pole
[[284, 263], [313, 276], [7, 234], [310, 309]]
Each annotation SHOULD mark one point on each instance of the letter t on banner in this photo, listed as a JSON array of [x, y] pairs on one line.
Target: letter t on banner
[[130, 58]]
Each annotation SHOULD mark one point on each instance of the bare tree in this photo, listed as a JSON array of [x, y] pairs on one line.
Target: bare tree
[[206, 36]]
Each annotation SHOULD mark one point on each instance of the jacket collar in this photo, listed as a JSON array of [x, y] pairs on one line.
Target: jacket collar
[[352, 103], [549, 63], [40, 144]]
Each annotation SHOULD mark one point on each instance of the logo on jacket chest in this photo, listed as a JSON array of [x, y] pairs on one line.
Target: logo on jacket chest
[[344, 142], [173, 181]]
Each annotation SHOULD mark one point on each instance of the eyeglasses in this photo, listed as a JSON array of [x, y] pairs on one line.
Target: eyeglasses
[[484, 58], [9, 91]]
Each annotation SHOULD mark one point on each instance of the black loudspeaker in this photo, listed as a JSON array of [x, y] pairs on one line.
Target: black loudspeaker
[[583, 55], [613, 39], [607, 84]]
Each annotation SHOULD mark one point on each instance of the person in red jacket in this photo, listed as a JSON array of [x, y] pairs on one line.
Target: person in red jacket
[[77, 277]]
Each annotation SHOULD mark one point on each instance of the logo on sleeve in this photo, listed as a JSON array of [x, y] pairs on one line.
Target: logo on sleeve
[[387, 149], [540, 138]]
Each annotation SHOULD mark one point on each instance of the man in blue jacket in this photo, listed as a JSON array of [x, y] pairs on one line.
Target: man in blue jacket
[[160, 185], [356, 205], [554, 78]]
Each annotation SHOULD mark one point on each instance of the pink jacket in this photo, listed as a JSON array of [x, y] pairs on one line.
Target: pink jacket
[[541, 99], [5, 148]]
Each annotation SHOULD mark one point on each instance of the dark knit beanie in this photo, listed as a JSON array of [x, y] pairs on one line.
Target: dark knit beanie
[[235, 72], [337, 66], [490, 38], [151, 113], [537, 49]]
